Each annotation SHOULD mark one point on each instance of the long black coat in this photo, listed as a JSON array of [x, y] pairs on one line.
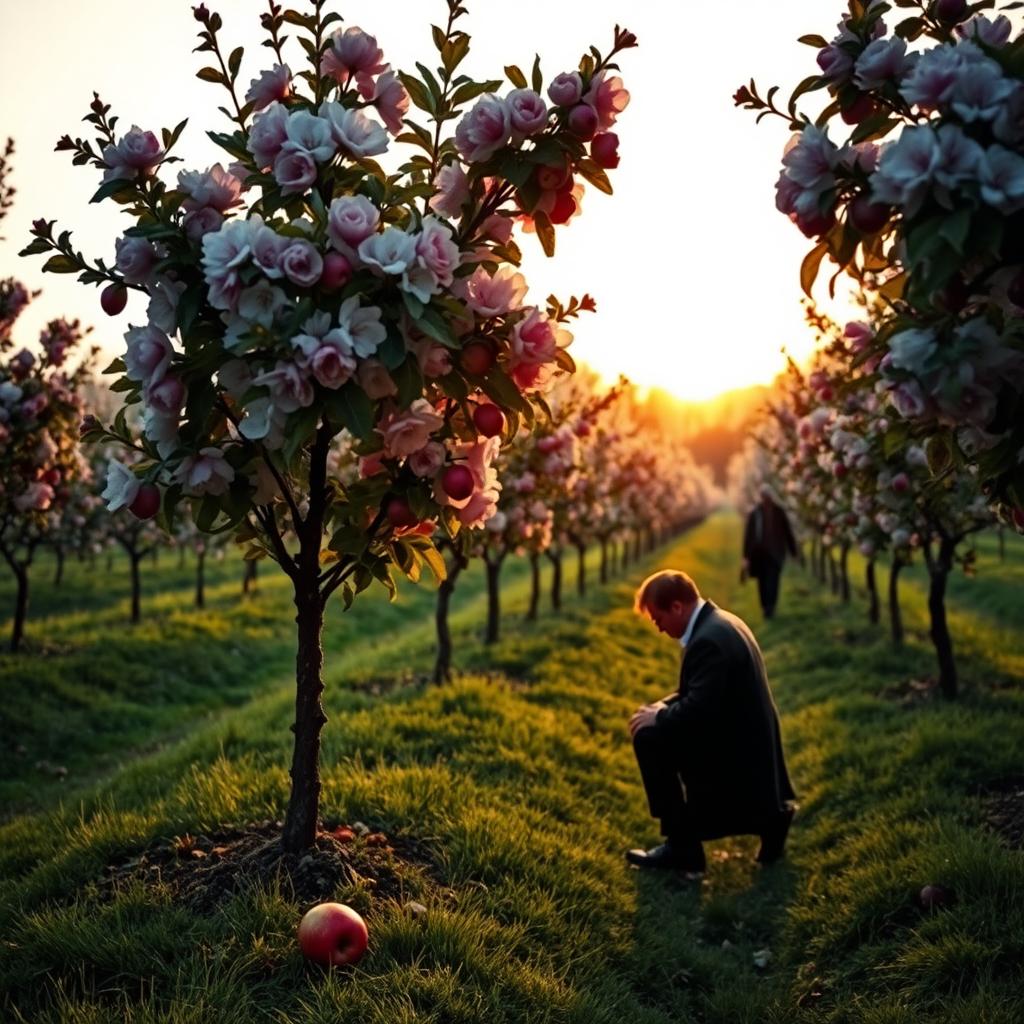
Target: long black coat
[[726, 727], [767, 537]]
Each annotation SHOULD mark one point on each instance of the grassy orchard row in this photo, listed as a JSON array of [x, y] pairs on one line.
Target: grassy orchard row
[[88, 692], [522, 783], [856, 483]]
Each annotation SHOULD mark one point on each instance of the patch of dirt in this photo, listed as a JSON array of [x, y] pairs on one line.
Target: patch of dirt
[[1002, 808], [204, 871], [911, 693]]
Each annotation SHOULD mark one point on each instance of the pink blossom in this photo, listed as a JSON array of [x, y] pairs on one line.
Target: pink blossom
[[355, 133], [268, 249], [536, 339], [207, 472], [435, 361], [881, 61], [352, 51], [436, 249], [428, 460], [361, 326], [566, 89], [198, 223], [375, 380], [528, 112], [166, 396], [135, 259], [607, 97], [268, 134], [409, 431], [225, 252], [452, 187], [36, 498], [260, 303], [390, 252], [290, 389], [388, 96], [371, 465], [272, 85], [301, 263], [909, 399], [134, 152], [498, 228], [122, 486], [484, 130], [294, 171], [994, 32], [858, 334], [332, 366], [480, 506], [148, 355], [835, 63], [350, 220], [931, 81], [494, 296], [980, 91], [214, 188]]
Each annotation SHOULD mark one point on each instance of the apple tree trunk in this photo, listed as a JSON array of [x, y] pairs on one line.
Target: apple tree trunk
[[938, 573], [531, 610], [844, 573], [493, 565], [581, 569], [895, 617], [555, 557], [872, 585], [58, 576], [200, 579]]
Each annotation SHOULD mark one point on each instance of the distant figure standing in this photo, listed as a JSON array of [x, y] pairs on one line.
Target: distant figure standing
[[767, 537]]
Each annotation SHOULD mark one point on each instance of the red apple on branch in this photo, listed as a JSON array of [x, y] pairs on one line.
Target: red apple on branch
[[113, 299], [333, 934], [146, 503], [489, 420], [457, 482]]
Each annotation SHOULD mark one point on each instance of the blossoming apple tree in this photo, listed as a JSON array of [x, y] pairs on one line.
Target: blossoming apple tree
[[299, 291], [930, 221]]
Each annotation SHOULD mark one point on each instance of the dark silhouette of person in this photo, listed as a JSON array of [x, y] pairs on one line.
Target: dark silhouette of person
[[710, 755], [767, 538]]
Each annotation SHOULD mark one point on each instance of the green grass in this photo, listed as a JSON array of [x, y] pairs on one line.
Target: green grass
[[520, 779]]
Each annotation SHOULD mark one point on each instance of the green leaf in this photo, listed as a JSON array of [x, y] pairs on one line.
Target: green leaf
[[209, 509], [61, 265], [545, 232], [471, 90], [595, 175], [417, 92], [875, 127], [910, 28], [211, 75], [112, 188], [515, 76], [235, 61], [435, 562], [301, 427], [537, 78], [351, 406], [818, 42], [435, 326], [409, 380], [454, 52], [117, 366], [36, 247], [810, 265]]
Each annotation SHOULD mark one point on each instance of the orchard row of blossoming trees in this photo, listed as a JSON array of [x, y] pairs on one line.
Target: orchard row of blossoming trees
[[829, 446], [309, 308], [930, 222], [588, 477]]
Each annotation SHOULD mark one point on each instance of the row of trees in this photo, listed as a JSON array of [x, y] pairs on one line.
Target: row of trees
[[930, 222], [828, 447]]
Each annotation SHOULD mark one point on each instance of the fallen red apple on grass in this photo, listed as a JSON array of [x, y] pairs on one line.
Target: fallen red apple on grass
[[333, 934]]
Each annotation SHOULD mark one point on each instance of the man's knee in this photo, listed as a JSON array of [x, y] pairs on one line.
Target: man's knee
[[648, 743]]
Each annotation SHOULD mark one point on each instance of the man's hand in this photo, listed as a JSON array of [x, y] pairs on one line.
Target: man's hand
[[644, 717]]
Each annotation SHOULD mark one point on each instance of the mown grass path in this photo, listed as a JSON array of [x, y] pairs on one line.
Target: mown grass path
[[521, 780]]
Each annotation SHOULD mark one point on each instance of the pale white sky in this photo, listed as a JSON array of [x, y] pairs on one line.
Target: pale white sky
[[694, 272]]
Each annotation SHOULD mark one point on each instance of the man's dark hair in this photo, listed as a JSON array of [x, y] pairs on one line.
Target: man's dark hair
[[662, 588]]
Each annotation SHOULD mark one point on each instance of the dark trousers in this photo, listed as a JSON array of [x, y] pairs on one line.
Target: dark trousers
[[660, 770], [768, 586]]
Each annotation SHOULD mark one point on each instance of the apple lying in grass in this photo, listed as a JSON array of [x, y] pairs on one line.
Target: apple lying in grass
[[333, 934]]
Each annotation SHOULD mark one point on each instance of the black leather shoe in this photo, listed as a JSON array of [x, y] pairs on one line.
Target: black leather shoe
[[665, 858], [773, 839]]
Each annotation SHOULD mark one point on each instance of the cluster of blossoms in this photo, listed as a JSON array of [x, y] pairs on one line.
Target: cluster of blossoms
[[847, 464], [339, 305], [930, 219]]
